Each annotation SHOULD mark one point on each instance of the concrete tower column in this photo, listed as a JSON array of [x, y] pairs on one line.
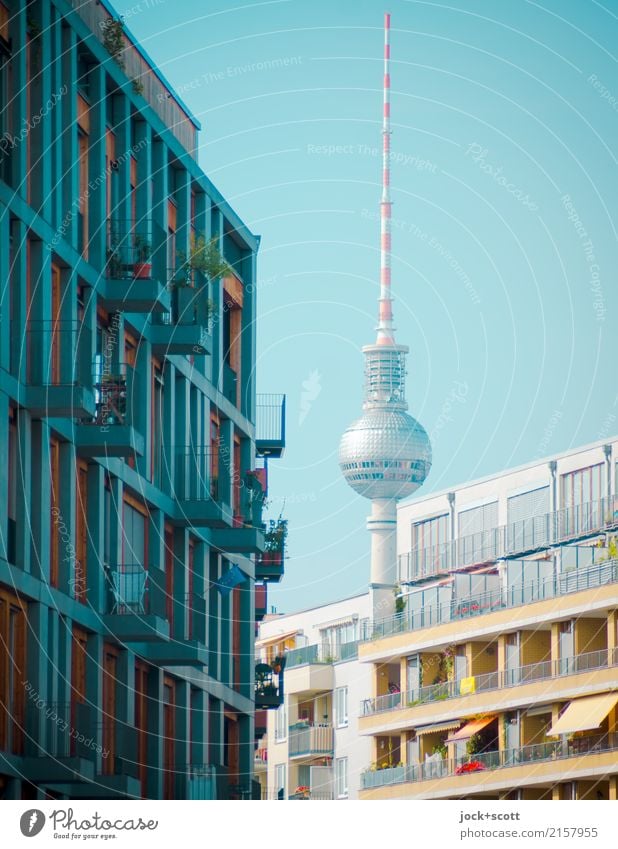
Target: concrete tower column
[[382, 524]]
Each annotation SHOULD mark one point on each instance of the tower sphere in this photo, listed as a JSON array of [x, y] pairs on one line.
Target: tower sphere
[[385, 454]]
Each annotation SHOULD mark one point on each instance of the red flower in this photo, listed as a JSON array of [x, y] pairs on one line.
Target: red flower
[[472, 766]]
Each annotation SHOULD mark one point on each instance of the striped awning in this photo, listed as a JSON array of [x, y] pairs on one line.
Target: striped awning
[[470, 729], [277, 638], [584, 714], [437, 726]]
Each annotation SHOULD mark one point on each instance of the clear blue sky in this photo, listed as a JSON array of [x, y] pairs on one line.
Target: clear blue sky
[[503, 283]]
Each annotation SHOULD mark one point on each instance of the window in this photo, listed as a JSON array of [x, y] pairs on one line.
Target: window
[[527, 519], [414, 675], [134, 536], [478, 540], [5, 113], [582, 505], [341, 706], [429, 553], [280, 781], [281, 725], [334, 638], [341, 778], [13, 678]]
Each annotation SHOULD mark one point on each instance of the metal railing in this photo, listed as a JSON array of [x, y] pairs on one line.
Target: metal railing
[[194, 479], [128, 589], [51, 353], [270, 418], [318, 653], [490, 761], [516, 538], [308, 739], [544, 670], [514, 596], [115, 393], [129, 249]]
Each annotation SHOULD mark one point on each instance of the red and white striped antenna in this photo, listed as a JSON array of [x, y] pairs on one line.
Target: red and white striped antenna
[[386, 330]]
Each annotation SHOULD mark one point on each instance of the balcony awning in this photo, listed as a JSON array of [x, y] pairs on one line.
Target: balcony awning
[[343, 620], [469, 729], [584, 714], [277, 638], [437, 726]]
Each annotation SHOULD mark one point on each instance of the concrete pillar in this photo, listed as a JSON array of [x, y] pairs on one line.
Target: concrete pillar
[[382, 524], [247, 630], [155, 734], [99, 175]]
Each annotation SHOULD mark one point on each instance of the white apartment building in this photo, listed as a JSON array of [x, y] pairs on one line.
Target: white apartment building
[[311, 748]]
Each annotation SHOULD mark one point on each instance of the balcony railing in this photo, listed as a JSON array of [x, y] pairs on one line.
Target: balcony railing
[[318, 653], [115, 391], [490, 761], [129, 250], [514, 596], [516, 538], [52, 353], [270, 424], [196, 477], [308, 739], [542, 671]]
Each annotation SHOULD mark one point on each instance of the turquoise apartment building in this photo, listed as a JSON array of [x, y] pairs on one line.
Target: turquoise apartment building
[[134, 447]]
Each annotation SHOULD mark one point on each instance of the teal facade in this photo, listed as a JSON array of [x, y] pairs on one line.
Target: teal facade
[[131, 481]]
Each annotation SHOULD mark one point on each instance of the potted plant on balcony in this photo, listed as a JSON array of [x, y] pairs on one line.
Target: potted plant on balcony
[[274, 542], [142, 268]]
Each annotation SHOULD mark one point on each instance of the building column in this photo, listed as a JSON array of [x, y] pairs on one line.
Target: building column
[[17, 34], [98, 173], [155, 734]]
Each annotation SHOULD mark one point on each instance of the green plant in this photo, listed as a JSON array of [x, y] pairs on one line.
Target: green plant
[[473, 745], [446, 665], [143, 249], [276, 535], [113, 40], [400, 601], [138, 86], [440, 749], [205, 258]]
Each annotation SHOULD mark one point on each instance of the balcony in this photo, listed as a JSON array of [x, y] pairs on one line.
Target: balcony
[[129, 284], [269, 565], [261, 601], [308, 740], [516, 595], [247, 534], [53, 359], [196, 488], [270, 425], [202, 782], [185, 328], [516, 539], [111, 431], [136, 604], [60, 742], [492, 681], [269, 685], [309, 670], [452, 777]]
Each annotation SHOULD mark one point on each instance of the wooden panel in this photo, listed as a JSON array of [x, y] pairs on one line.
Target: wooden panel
[[141, 720], [83, 114]]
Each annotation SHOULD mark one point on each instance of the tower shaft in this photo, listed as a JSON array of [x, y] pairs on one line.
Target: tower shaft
[[386, 329]]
